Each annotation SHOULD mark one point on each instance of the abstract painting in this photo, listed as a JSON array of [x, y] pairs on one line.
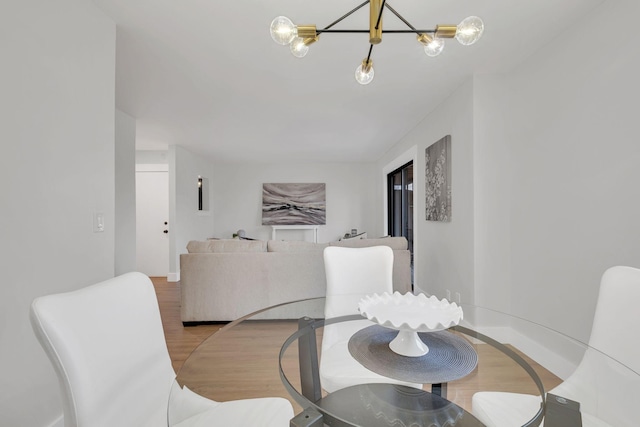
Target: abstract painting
[[293, 204], [438, 180]]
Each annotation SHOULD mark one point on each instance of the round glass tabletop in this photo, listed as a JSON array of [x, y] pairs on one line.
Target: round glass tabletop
[[504, 361]]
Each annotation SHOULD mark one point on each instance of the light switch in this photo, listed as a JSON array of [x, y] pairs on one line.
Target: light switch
[[98, 222]]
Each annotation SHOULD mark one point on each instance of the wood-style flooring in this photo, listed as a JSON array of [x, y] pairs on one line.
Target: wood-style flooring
[[181, 341], [231, 382]]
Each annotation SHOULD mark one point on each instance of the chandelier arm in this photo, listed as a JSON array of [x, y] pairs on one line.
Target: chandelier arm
[[383, 31], [345, 16], [380, 14], [409, 31], [402, 19], [342, 31], [369, 55]]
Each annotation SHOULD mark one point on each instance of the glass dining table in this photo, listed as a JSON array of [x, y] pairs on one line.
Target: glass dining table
[[276, 352]]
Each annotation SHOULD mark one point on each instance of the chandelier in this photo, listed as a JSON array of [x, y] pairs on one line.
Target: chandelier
[[299, 37]]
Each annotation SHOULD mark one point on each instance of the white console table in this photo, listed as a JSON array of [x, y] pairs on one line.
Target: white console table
[[314, 228]]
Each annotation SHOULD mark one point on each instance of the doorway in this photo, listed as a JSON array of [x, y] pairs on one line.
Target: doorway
[[152, 220], [400, 205]]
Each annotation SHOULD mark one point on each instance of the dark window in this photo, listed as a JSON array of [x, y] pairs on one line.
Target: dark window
[[400, 200]]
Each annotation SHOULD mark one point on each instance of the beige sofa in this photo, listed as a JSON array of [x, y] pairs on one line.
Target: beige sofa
[[222, 280]]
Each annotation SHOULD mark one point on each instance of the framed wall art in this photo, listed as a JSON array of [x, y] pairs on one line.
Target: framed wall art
[[438, 180], [294, 204]]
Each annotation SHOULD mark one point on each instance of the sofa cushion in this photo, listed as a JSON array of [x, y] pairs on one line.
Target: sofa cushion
[[226, 245], [396, 243], [294, 246]]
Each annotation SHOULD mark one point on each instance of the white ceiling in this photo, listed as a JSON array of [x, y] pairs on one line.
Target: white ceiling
[[206, 75]]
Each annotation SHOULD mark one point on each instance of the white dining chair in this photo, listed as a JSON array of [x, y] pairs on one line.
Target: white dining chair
[[351, 274], [107, 347], [605, 389]]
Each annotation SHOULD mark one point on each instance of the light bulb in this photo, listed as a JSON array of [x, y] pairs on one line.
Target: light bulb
[[298, 47], [434, 47], [470, 30], [364, 73], [283, 30]]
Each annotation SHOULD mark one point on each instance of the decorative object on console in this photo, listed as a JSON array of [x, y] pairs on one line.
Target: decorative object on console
[[299, 37], [241, 235], [294, 204], [438, 180], [355, 235], [410, 314]]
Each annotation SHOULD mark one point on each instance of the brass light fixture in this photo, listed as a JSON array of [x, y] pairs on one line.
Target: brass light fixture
[[299, 37]]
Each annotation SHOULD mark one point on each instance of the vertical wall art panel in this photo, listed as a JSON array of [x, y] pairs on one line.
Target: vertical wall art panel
[[438, 180], [293, 204]]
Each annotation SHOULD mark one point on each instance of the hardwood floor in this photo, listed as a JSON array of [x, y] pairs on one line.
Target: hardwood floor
[[497, 372], [181, 341]]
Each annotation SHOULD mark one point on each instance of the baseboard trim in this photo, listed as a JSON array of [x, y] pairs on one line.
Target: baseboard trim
[[173, 277]]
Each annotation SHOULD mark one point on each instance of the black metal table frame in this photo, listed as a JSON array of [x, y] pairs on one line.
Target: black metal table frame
[[311, 392]]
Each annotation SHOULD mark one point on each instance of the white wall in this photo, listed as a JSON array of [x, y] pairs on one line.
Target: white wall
[[237, 197], [443, 250], [152, 157], [492, 183], [545, 177], [186, 222], [125, 188], [570, 131], [56, 170]]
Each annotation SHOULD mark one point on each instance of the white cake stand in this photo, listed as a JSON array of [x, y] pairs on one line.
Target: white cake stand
[[410, 314]]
